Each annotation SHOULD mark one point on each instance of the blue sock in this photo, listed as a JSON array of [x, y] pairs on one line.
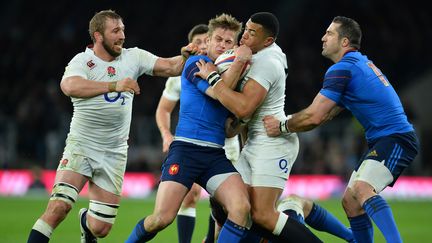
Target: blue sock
[[294, 215], [322, 220], [362, 228], [211, 231], [232, 232], [252, 237], [379, 211], [185, 227], [139, 234]]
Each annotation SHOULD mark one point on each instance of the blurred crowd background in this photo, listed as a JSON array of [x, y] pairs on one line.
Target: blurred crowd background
[[39, 38]]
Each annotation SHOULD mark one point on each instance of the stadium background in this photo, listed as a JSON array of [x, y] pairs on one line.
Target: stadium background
[[40, 37]]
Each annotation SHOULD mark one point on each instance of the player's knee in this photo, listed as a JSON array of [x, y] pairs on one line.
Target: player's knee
[[362, 191], [350, 205], [190, 201], [57, 210], [261, 217], [240, 208]]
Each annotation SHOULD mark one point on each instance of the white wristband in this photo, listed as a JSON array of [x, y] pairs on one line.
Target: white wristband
[[283, 125]]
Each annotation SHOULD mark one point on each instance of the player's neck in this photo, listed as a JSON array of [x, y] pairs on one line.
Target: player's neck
[[342, 53], [100, 52]]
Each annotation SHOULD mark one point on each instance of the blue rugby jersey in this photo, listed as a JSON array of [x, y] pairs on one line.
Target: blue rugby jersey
[[356, 84], [200, 117]]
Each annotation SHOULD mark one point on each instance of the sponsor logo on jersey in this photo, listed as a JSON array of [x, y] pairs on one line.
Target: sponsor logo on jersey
[[91, 64], [63, 163], [173, 169], [111, 71], [372, 153]]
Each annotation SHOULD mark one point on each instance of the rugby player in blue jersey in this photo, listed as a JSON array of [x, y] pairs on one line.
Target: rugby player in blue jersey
[[355, 83], [197, 154]]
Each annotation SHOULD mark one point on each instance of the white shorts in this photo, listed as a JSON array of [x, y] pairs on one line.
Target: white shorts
[[104, 168], [232, 149], [267, 162]]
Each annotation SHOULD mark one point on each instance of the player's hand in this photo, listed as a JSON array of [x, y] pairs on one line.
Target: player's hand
[[128, 85], [271, 125], [167, 140], [205, 68], [243, 53], [190, 49]]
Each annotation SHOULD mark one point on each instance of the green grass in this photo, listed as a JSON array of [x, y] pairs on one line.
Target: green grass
[[19, 214]]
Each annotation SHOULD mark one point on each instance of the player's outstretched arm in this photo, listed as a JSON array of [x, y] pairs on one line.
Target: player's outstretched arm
[[173, 66], [79, 87], [321, 110]]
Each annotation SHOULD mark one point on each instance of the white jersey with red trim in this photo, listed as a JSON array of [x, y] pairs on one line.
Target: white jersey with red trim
[[103, 122]]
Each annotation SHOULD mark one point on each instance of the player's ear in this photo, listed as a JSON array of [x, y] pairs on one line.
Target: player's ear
[[98, 36], [345, 42], [268, 41]]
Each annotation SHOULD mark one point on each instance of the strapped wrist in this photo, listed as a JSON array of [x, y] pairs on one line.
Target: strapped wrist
[[283, 125], [112, 86], [213, 78]]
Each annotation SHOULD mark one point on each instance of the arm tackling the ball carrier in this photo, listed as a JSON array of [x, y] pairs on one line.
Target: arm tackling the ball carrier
[[321, 110], [243, 104]]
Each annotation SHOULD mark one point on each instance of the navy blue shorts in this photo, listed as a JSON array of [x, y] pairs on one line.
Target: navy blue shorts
[[187, 163], [397, 150]]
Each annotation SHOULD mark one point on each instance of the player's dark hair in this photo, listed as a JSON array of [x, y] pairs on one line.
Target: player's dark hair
[[197, 30], [97, 23], [350, 29], [269, 22]]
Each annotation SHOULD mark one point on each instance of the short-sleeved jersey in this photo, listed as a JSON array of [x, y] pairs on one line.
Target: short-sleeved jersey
[[201, 118], [103, 122], [269, 70], [172, 92], [172, 88], [357, 84]]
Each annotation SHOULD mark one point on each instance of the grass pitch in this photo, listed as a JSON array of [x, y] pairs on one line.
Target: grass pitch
[[17, 216]]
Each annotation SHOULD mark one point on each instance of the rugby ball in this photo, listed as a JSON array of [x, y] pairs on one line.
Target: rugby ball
[[224, 61]]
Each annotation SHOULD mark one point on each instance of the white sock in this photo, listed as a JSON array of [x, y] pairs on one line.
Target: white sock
[[43, 227], [280, 223], [191, 212]]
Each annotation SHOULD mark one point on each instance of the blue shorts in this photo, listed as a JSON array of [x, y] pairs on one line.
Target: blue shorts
[[397, 150], [187, 163]]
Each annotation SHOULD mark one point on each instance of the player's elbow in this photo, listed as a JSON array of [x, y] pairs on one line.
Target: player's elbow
[[66, 87], [242, 114]]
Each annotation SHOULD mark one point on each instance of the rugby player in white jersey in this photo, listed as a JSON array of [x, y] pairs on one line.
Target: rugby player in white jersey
[[265, 162], [101, 83]]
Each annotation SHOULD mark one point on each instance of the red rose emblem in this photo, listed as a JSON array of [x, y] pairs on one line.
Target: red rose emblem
[[111, 71]]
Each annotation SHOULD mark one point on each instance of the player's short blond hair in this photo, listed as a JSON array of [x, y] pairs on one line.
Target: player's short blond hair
[[97, 23], [224, 21]]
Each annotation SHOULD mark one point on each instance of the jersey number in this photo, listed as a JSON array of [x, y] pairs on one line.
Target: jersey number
[[378, 73], [119, 96]]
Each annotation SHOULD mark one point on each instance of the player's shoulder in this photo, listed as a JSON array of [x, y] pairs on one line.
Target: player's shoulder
[[133, 51], [83, 57], [195, 58], [172, 81], [271, 56]]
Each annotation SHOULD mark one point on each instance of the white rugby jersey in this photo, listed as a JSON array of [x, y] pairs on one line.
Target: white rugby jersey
[[172, 88], [268, 69], [104, 121]]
